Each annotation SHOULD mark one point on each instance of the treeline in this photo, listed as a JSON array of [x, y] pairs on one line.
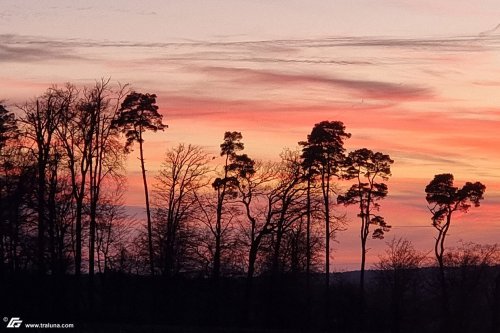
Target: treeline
[[62, 180], [208, 218]]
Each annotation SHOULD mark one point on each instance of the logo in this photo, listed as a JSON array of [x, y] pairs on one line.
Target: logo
[[15, 322]]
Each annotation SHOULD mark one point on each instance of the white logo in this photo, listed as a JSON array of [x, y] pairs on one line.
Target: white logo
[[15, 322]]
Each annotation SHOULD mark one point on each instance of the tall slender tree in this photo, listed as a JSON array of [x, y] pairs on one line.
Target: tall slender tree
[[226, 187], [101, 103], [75, 133], [139, 113], [368, 168], [323, 155]]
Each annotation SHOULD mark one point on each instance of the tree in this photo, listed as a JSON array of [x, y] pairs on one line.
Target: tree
[[42, 117], [105, 157], [183, 174], [323, 155], [8, 133], [472, 271], [368, 168], [205, 246], [259, 198], [289, 208], [75, 133], [139, 113], [91, 153], [8, 127], [446, 199], [225, 187], [113, 230], [398, 268]]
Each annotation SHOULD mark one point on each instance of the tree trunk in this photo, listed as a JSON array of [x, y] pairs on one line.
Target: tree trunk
[[52, 219], [78, 231], [277, 249], [92, 231], [148, 212], [2, 251], [252, 257], [326, 197], [327, 235], [362, 272], [2, 260], [364, 237], [308, 250], [169, 247], [308, 230], [218, 228], [41, 211]]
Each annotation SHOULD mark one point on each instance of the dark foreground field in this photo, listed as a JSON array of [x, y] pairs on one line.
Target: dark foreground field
[[125, 303]]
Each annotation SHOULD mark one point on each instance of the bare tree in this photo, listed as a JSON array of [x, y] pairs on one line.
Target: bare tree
[[471, 282], [114, 229], [290, 190], [212, 238], [398, 269], [182, 176], [41, 119], [259, 198], [105, 158]]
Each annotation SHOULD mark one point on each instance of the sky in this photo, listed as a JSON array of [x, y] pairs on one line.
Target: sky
[[417, 80]]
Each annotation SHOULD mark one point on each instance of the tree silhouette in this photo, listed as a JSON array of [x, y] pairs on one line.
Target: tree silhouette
[[8, 132], [225, 186], [8, 127], [291, 191], [398, 267], [101, 104], [90, 153], [139, 113], [113, 229], [42, 117], [323, 152], [368, 168], [183, 174], [445, 199], [75, 133]]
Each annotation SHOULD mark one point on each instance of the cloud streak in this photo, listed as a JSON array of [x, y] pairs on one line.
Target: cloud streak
[[282, 50], [33, 54], [361, 88]]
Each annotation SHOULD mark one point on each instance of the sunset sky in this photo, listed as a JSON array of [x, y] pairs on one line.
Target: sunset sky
[[419, 80]]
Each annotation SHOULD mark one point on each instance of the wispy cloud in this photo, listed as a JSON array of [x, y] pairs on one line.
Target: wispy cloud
[[288, 47], [27, 53], [487, 83], [361, 88]]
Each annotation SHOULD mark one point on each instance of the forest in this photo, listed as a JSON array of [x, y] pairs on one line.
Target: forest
[[229, 243]]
